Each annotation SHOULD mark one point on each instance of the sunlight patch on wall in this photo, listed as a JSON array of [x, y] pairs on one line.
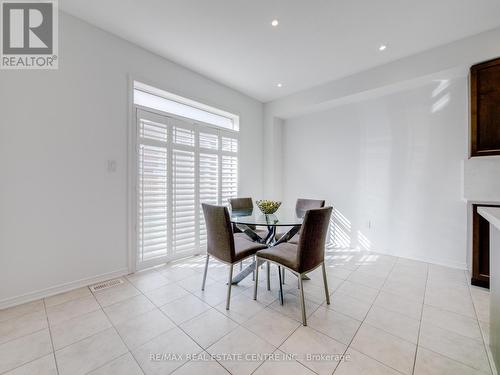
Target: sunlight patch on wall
[[442, 85], [363, 242], [443, 101], [340, 230]]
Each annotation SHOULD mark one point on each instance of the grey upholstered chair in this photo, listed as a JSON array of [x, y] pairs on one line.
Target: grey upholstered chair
[[305, 256], [301, 206], [223, 245], [245, 206], [241, 204]]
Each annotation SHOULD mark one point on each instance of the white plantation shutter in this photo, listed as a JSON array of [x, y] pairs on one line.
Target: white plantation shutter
[[153, 201], [152, 188], [179, 166], [208, 177], [183, 215], [229, 168]]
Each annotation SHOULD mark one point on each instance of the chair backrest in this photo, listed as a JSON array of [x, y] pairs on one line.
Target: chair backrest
[[220, 239], [302, 205], [241, 204], [311, 246]]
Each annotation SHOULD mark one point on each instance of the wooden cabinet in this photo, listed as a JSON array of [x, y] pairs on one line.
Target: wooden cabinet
[[485, 108]]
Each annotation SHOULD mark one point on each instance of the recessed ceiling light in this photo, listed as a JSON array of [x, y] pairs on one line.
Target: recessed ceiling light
[[279, 85], [274, 23], [382, 47]]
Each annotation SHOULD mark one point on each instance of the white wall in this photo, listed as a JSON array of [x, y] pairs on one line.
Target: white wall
[[63, 217], [392, 168], [480, 176], [452, 59]]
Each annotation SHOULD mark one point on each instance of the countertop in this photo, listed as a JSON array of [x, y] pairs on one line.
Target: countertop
[[492, 214]]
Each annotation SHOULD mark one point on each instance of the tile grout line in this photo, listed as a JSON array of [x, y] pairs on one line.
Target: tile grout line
[[363, 321], [23, 314], [420, 322], [481, 342], [214, 308], [321, 333], [349, 344], [423, 304], [296, 329], [178, 325], [278, 348], [118, 334], [34, 359], [51, 339], [107, 363], [196, 342], [241, 325], [492, 367], [48, 328], [20, 337], [81, 315]]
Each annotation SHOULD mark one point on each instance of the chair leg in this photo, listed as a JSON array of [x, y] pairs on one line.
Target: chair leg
[[256, 279], [229, 284], [241, 266], [205, 273], [281, 286], [302, 301], [268, 275], [283, 275], [325, 282]]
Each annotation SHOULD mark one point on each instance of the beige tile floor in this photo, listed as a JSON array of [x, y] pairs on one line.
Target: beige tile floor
[[388, 316]]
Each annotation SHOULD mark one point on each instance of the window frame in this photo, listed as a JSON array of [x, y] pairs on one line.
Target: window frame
[[235, 118]]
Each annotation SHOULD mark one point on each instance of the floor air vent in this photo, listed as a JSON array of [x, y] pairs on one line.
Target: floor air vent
[[106, 285]]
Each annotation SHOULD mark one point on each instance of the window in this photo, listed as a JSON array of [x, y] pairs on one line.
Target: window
[[181, 163], [166, 102]]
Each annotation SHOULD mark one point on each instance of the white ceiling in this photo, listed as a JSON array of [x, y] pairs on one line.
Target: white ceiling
[[233, 42]]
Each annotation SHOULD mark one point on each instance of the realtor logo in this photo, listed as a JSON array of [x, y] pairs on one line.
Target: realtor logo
[[29, 34]]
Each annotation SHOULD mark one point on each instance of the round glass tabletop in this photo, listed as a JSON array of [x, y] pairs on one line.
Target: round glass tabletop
[[282, 217]]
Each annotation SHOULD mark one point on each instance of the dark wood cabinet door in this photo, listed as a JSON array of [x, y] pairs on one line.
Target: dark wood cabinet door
[[480, 248], [485, 108]]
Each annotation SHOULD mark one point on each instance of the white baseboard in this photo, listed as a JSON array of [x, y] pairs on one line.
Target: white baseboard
[[439, 262], [43, 293]]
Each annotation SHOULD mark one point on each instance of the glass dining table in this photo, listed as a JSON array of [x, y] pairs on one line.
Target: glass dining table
[[249, 222]]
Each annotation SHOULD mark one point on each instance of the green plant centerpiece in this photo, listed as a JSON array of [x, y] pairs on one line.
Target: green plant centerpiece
[[268, 207]]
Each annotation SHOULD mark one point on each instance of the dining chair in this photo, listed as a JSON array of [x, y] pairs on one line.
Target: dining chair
[[301, 206], [223, 245], [303, 257], [245, 205]]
